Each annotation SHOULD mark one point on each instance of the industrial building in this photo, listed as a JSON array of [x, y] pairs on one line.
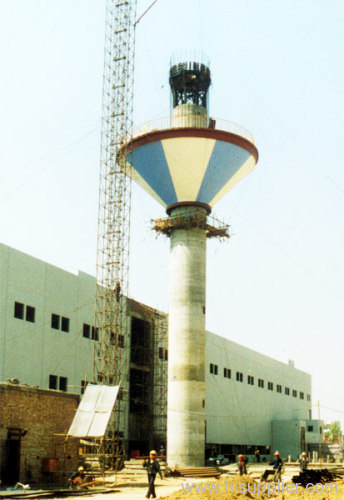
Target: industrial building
[[47, 341]]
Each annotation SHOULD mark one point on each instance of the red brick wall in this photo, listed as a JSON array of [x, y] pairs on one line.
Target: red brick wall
[[40, 414]]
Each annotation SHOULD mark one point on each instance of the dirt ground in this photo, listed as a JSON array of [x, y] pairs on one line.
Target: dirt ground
[[230, 486]]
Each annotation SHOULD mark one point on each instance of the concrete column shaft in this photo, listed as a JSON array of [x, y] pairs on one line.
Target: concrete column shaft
[[186, 385]]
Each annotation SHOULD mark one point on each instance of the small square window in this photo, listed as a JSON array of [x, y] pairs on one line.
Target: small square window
[[30, 314], [86, 331], [53, 382], [55, 321], [19, 310], [65, 324], [63, 384], [310, 428]]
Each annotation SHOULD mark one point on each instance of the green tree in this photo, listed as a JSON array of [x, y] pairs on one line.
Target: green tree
[[334, 430]]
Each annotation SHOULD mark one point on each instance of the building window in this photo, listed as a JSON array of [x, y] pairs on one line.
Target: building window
[[95, 335], [250, 380], [287, 391], [302, 396], [65, 324], [86, 331], [308, 397], [55, 321], [310, 428], [239, 376], [18, 310], [279, 388], [166, 355], [92, 332], [161, 353], [58, 382], [270, 386], [227, 373], [261, 383], [213, 368], [63, 384], [294, 393], [83, 384], [53, 382], [30, 314]]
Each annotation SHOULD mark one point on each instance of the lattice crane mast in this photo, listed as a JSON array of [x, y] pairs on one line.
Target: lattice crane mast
[[111, 323]]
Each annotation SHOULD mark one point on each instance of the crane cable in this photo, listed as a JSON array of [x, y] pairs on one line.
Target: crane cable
[[145, 12]]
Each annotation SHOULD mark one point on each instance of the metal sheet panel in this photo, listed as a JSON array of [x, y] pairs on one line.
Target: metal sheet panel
[[93, 413]]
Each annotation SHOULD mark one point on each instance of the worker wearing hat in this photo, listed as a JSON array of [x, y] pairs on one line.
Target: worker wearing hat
[[242, 465], [153, 468], [78, 477], [277, 465], [303, 461]]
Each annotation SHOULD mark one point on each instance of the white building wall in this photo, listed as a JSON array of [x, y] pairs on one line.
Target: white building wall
[[236, 412], [33, 351], [241, 413]]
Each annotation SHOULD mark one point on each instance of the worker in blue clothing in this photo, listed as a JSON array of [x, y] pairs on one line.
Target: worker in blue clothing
[[277, 465]]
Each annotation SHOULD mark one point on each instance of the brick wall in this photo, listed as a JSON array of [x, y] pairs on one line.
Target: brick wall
[[37, 416]]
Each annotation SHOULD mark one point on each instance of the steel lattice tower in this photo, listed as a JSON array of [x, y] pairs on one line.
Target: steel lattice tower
[[114, 219]]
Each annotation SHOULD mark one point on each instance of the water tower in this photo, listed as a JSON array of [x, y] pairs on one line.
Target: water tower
[[188, 162]]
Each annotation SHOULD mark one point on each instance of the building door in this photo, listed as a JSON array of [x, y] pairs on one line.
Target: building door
[[12, 464], [302, 439]]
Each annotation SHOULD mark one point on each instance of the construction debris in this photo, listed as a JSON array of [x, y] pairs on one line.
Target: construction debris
[[196, 472], [313, 476]]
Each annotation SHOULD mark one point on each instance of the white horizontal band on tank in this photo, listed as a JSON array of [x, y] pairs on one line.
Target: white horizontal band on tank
[[194, 121]]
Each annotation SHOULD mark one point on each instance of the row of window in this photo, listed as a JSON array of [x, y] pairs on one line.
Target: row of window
[[27, 313], [250, 380]]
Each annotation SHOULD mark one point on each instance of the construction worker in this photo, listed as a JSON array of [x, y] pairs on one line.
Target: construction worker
[[78, 477], [153, 468], [303, 461], [277, 465], [242, 465]]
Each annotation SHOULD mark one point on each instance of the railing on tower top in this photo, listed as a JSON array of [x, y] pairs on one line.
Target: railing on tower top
[[190, 121]]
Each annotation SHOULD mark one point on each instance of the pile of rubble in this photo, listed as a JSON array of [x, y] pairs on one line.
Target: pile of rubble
[[313, 476]]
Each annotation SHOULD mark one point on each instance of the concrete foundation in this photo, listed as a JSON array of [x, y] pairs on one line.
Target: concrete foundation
[[186, 365]]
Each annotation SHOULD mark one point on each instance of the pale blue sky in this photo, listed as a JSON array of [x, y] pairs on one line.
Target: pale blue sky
[[277, 69]]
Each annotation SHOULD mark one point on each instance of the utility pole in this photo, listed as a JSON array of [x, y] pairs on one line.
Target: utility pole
[[319, 429]]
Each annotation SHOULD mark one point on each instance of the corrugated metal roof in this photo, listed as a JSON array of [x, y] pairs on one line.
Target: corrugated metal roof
[[93, 413]]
